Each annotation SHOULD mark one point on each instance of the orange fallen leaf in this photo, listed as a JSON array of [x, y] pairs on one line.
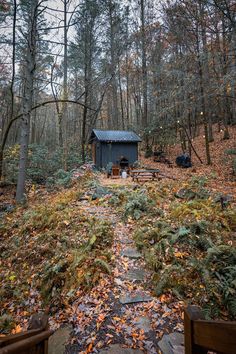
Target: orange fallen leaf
[[116, 318], [17, 329], [90, 348], [101, 318]]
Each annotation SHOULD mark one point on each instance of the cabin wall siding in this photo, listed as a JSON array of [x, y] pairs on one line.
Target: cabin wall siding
[[112, 152]]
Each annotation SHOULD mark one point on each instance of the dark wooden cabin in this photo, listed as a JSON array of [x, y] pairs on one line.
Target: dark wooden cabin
[[117, 146]]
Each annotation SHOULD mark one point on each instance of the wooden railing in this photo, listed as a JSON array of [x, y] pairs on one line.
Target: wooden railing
[[201, 336], [33, 341]]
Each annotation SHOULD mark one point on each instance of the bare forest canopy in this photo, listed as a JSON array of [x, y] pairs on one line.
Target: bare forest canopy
[[160, 68]]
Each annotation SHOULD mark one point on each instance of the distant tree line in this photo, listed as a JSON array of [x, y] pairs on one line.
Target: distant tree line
[[160, 69]]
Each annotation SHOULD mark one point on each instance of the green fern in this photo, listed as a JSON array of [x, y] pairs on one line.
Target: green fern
[[103, 265], [137, 204]]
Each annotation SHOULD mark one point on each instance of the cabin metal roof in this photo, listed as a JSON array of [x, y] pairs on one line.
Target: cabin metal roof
[[115, 136]]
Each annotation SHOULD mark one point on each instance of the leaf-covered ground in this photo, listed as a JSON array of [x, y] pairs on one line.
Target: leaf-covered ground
[[65, 253], [220, 171], [49, 251]]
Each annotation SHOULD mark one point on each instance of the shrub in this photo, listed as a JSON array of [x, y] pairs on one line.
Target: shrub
[[42, 163], [6, 323], [221, 263], [136, 204], [197, 181], [63, 178], [230, 152], [11, 162], [148, 152], [234, 166], [39, 167]]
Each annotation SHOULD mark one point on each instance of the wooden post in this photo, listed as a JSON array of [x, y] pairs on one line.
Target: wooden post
[[191, 313], [202, 336], [38, 321], [34, 341]]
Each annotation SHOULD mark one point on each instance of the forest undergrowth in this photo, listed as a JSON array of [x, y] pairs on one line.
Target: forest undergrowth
[[187, 236], [49, 250], [52, 250]]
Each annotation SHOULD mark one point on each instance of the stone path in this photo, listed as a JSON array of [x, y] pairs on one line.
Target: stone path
[[126, 317]]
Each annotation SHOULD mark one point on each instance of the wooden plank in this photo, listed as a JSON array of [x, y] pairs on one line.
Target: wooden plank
[[202, 336], [46, 346], [37, 324], [141, 178], [13, 338], [145, 175], [218, 336], [191, 313], [23, 346]]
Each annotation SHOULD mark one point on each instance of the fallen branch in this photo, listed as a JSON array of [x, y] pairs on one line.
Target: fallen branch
[[190, 142]]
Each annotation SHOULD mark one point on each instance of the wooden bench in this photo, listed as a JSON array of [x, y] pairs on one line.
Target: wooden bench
[[145, 175], [201, 336], [33, 341]]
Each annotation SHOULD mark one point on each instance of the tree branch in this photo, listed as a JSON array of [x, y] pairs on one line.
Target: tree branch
[[33, 109]]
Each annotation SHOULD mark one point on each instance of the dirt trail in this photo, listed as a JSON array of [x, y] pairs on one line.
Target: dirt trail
[[121, 312]]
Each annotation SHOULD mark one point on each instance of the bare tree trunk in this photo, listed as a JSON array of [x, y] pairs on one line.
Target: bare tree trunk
[[63, 116], [205, 77], [233, 82], [27, 100], [83, 138], [144, 70], [121, 97], [127, 93], [115, 111], [226, 110], [203, 104]]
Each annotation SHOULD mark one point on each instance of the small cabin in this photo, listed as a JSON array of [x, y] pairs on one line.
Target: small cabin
[[119, 147]]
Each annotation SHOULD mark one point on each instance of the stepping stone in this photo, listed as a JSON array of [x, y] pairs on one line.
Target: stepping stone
[[143, 323], [185, 193], [135, 274], [131, 253], [172, 343], [118, 282], [57, 342], [133, 298], [117, 349]]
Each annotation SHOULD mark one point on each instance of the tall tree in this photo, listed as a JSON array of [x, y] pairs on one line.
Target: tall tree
[[113, 20], [144, 68], [30, 11], [84, 61]]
